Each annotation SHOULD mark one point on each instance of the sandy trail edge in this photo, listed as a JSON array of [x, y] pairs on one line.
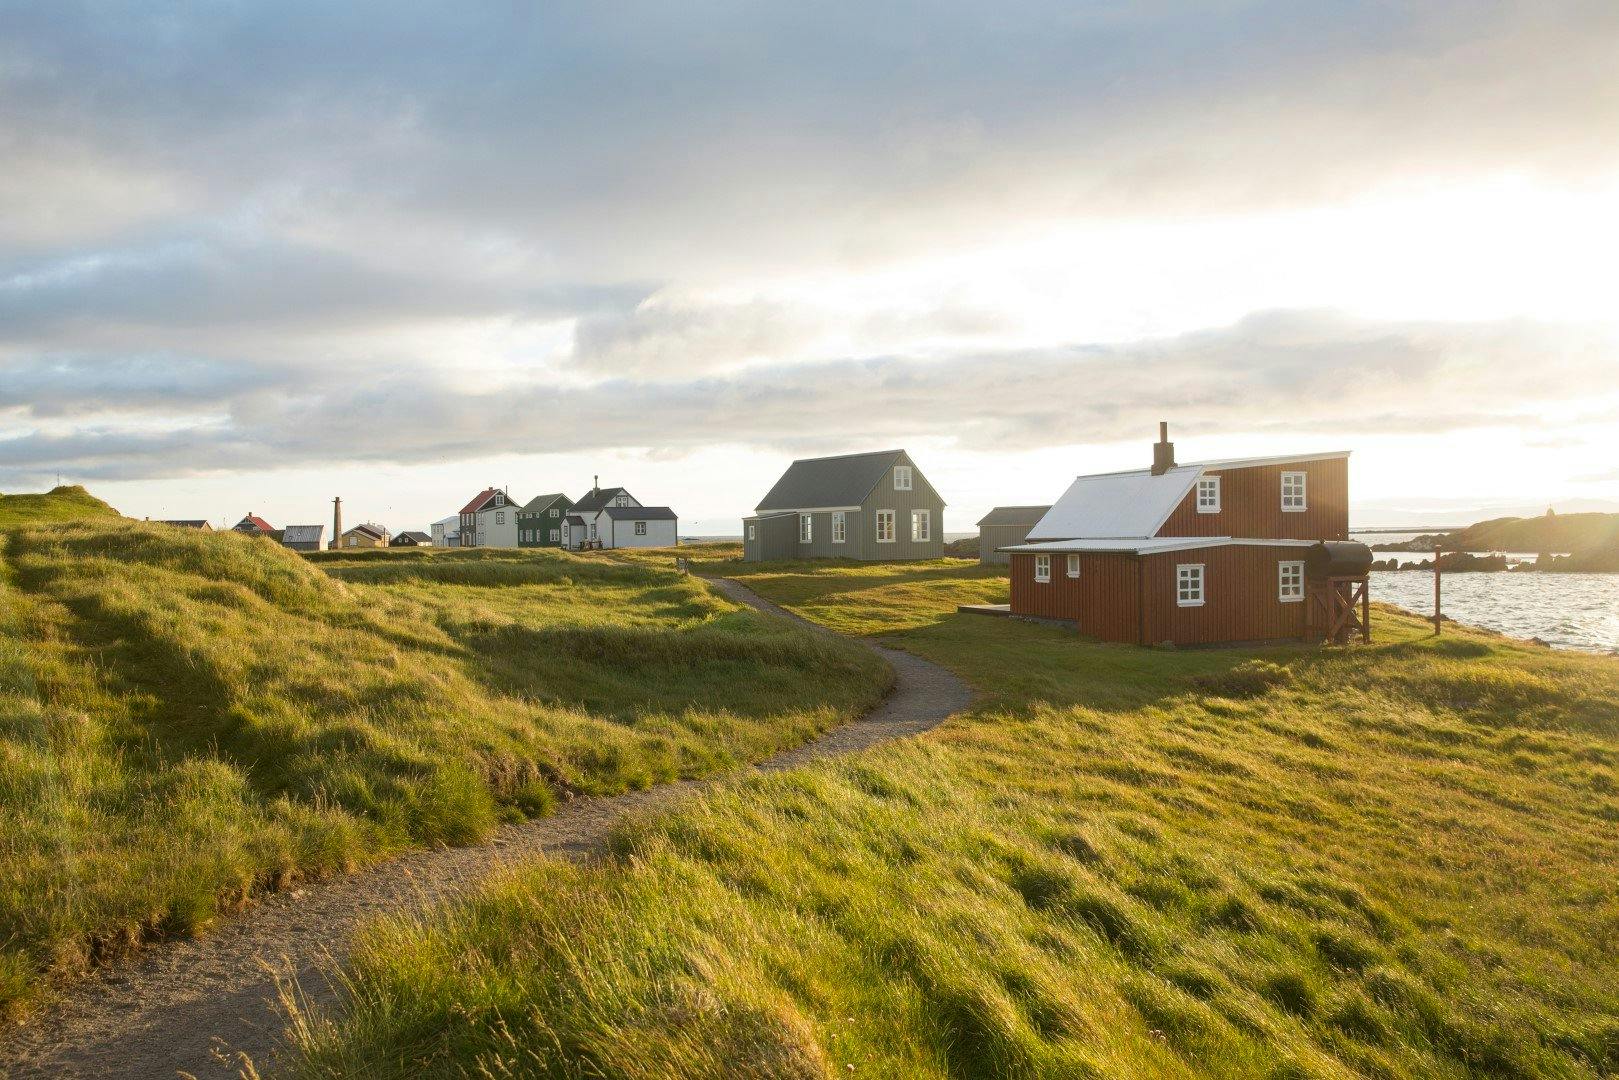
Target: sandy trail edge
[[192, 1006]]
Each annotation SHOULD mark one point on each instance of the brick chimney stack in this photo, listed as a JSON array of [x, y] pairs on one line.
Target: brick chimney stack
[[1163, 451], [337, 525]]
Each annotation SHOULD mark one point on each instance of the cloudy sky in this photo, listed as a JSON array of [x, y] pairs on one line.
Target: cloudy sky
[[253, 256]]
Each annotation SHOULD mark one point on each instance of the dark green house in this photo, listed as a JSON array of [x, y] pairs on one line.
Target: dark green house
[[539, 522]]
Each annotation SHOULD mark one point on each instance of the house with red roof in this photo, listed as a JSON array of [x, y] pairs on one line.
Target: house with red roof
[[489, 520], [254, 525]]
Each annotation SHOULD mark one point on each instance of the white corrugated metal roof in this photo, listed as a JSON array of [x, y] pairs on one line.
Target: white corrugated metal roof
[[1146, 545], [302, 534], [1127, 504]]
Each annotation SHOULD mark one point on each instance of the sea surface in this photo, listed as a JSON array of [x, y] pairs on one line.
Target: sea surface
[[1567, 611]]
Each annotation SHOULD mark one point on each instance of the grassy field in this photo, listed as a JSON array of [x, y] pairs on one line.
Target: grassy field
[[1392, 861], [189, 718]]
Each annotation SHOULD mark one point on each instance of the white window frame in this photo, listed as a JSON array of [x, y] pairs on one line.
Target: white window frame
[[1208, 495], [556, 511], [1290, 582], [1042, 569], [924, 518], [806, 528], [1071, 566], [840, 527], [500, 517], [556, 536], [753, 531], [903, 480], [621, 500], [640, 528], [593, 530], [880, 518], [1189, 585], [1295, 501]]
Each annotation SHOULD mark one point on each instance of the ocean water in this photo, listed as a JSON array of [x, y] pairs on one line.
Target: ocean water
[[1567, 611]]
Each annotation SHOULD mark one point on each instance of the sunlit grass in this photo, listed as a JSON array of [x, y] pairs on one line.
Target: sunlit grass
[[188, 718], [1399, 860]]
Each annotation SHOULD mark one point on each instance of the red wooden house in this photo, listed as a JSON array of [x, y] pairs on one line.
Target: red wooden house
[[1214, 552]]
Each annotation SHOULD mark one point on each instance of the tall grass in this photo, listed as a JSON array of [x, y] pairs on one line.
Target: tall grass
[[1395, 861], [189, 718]]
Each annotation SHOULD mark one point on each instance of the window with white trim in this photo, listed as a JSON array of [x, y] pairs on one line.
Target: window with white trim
[[556, 511], [1293, 491], [500, 517], [1290, 582], [1189, 585], [921, 526], [1042, 568], [1073, 566], [593, 530], [840, 526], [806, 528], [1208, 495], [753, 531], [640, 528], [622, 500], [556, 536], [902, 478], [885, 526]]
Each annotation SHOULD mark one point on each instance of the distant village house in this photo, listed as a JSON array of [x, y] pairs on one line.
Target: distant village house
[[875, 506]]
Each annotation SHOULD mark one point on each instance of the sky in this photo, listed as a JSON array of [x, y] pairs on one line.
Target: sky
[[254, 256]]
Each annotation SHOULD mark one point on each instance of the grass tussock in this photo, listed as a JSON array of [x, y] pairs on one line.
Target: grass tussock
[[190, 718], [1393, 861]]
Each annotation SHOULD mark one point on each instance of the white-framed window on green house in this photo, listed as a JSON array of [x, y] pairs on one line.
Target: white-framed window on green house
[[885, 526], [1290, 582], [1293, 492], [1042, 568], [840, 526], [640, 528], [753, 531], [556, 535], [1189, 585], [1208, 495], [1073, 566], [556, 511], [806, 528], [902, 478], [921, 526]]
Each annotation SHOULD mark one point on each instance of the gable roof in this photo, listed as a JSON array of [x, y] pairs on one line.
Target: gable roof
[[574, 519], [254, 522], [186, 523], [480, 499], [1136, 503], [817, 483], [542, 502], [639, 513], [369, 529], [1013, 515], [414, 534], [597, 498], [302, 534], [1147, 545]]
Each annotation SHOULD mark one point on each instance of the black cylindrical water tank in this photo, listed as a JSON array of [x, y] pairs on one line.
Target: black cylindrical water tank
[[1338, 558]]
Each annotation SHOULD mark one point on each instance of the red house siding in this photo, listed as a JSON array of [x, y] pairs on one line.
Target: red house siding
[[1251, 504], [1102, 599], [1240, 601], [1240, 596]]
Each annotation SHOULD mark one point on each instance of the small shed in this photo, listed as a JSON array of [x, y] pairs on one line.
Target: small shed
[[411, 538], [770, 537], [303, 537], [1004, 526]]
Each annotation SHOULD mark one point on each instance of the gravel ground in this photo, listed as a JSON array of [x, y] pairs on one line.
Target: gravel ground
[[201, 1007]]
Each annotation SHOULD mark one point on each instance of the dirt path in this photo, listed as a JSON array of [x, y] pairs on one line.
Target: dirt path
[[193, 1006]]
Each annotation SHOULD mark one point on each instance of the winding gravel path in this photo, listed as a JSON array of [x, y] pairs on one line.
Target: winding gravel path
[[195, 1007]]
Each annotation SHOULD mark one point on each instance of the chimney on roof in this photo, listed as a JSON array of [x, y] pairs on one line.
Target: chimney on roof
[[337, 525], [596, 485], [1163, 451]]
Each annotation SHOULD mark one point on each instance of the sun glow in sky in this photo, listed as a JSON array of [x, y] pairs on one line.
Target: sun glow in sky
[[253, 258]]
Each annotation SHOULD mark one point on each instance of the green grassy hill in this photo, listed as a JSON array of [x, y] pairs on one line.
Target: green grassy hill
[[66, 503], [189, 718], [1550, 532], [1399, 860]]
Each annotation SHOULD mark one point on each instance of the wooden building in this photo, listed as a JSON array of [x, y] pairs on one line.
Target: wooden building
[[1004, 526], [411, 538], [539, 522], [1209, 553], [303, 537], [873, 507], [489, 520], [253, 525], [366, 535]]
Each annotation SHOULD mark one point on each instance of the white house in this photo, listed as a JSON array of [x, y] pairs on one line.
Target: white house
[[489, 520], [613, 518], [446, 533]]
